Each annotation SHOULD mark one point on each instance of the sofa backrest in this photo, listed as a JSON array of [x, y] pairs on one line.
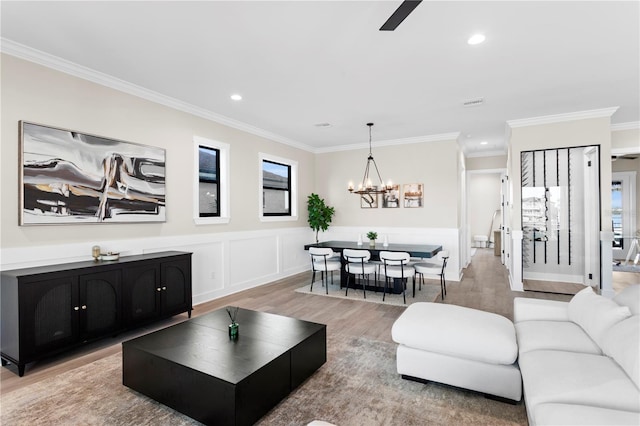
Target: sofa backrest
[[629, 297], [595, 314], [622, 343]]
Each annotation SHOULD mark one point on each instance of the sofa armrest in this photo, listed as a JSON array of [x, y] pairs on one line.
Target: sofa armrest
[[525, 309]]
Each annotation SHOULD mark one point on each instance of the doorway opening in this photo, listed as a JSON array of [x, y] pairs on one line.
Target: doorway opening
[[560, 219]]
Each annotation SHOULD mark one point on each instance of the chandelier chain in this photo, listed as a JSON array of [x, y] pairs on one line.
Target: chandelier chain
[[366, 187]]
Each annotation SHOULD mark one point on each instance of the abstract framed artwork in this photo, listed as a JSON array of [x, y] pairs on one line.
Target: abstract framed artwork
[[369, 201], [391, 199], [68, 177], [413, 194]]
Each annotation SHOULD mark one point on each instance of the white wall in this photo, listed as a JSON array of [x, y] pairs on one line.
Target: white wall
[[570, 130], [227, 257], [38, 94], [578, 132], [432, 163], [484, 200], [626, 140]]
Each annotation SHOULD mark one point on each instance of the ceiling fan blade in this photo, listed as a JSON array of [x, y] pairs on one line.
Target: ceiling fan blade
[[400, 14]]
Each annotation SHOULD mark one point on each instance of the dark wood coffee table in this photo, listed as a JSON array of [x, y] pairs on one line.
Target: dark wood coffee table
[[193, 367]]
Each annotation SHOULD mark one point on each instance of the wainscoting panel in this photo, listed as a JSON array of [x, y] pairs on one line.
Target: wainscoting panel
[[228, 262], [292, 251], [252, 259], [223, 263]]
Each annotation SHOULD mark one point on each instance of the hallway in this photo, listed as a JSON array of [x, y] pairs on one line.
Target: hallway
[[485, 286]]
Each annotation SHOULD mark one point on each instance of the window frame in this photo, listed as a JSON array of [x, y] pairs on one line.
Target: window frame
[[628, 196], [293, 189], [223, 181]]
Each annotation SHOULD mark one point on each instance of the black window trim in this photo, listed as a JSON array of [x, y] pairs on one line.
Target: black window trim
[[288, 189]]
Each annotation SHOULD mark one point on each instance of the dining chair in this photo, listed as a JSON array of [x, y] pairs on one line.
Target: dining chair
[[358, 264], [396, 266], [435, 267], [321, 261]]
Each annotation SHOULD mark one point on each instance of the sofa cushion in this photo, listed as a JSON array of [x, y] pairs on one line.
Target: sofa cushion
[[595, 314], [526, 309], [457, 331], [573, 414], [630, 297], [557, 335], [622, 343], [576, 378]]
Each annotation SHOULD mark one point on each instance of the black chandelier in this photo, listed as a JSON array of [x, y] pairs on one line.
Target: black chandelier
[[366, 187]]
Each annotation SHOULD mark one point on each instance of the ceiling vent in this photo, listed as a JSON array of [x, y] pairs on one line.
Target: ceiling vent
[[323, 125], [473, 102]]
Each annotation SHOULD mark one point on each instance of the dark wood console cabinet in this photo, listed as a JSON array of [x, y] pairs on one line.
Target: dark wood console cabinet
[[48, 309]]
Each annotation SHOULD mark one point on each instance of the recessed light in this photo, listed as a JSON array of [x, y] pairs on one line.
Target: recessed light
[[476, 39], [484, 143], [236, 97]]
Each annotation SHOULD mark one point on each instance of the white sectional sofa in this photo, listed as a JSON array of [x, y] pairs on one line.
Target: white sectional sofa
[[458, 346], [580, 360]]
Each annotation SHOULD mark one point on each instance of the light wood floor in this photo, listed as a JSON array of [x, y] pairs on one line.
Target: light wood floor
[[484, 286]]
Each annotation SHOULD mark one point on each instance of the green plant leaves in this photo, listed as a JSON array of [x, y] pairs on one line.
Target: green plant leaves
[[319, 213]]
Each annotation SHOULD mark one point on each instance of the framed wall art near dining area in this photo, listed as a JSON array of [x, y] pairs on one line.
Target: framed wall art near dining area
[[391, 199], [69, 177], [412, 193], [369, 201]]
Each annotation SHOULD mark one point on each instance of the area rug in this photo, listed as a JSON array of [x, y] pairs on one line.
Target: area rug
[[358, 385], [430, 293]]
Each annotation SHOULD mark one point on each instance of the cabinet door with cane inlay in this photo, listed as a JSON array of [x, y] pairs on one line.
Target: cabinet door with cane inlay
[[143, 292], [100, 303], [49, 315]]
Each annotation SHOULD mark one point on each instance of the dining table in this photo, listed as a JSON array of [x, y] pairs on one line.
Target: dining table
[[414, 250]]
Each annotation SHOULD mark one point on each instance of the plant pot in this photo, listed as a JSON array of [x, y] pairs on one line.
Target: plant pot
[[372, 243]]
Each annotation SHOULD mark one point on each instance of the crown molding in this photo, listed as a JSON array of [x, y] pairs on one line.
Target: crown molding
[[391, 142], [497, 153], [632, 125], [559, 118], [21, 51]]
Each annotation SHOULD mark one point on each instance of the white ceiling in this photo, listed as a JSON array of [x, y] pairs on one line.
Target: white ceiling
[[301, 63]]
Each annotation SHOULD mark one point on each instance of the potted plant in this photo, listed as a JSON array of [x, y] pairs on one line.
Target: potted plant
[[372, 236], [319, 213]]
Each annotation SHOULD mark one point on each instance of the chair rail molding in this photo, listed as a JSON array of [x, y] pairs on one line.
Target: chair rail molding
[[219, 262]]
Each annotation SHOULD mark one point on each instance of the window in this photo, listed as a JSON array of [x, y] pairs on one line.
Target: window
[[211, 189], [623, 212], [278, 188], [208, 187], [616, 214]]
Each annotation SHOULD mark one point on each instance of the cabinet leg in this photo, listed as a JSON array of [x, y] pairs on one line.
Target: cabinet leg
[[4, 361], [189, 313], [20, 370]]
